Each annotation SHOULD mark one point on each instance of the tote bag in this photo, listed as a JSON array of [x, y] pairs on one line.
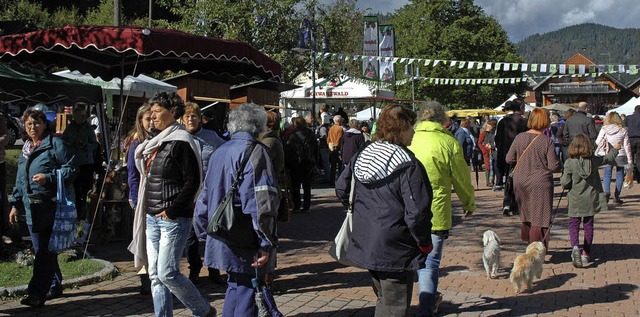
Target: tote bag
[[340, 245], [65, 220]]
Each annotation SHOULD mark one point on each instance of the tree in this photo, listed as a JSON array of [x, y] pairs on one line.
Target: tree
[[271, 26], [454, 30]]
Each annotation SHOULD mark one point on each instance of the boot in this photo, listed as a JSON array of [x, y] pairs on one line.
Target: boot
[[145, 284]]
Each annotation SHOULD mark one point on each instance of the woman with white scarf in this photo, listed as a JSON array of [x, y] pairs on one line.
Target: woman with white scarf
[[170, 171]]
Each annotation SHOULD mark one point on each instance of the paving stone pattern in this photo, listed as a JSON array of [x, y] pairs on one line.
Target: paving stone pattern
[[310, 283]]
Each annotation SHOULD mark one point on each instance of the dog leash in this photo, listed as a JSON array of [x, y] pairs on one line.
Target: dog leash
[[553, 216]]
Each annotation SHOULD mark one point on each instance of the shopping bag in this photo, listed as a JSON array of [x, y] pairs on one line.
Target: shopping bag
[[65, 220], [628, 178], [340, 245]]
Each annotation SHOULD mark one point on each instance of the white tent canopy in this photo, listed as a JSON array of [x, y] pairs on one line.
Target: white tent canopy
[[527, 107], [138, 86], [628, 107], [348, 91], [366, 114]]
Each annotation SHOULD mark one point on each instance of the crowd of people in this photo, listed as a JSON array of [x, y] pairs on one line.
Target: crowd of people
[[403, 171]]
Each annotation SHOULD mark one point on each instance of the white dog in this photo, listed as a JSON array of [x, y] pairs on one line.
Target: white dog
[[527, 266], [491, 254]]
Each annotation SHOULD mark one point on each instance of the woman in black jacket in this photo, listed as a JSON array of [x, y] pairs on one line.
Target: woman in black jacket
[[392, 211]]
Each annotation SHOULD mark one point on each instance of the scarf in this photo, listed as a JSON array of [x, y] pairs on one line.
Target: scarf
[[30, 146], [174, 132]]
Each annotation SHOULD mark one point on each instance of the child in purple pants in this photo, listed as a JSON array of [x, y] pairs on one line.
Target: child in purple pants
[[586, 195]]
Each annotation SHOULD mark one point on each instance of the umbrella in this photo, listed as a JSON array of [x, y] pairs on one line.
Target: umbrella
[[109, 52], [558, 107]]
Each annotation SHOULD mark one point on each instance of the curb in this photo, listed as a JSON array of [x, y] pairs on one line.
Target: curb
[[109, 271]]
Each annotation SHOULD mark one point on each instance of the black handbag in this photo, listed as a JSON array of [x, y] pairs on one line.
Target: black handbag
[[228, 223]]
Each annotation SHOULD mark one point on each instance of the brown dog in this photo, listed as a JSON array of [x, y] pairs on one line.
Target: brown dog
[[527, 266]]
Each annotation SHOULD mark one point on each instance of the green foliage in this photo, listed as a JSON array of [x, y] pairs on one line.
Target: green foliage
[[11, 159], [602, 44], [100, 15], [14, 274], [454, 30], [24, 10]]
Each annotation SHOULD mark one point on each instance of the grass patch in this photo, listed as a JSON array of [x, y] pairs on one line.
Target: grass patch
[[14, 274], [11, 160]]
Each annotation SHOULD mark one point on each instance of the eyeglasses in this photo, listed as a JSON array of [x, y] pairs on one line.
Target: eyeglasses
[[34, 124]]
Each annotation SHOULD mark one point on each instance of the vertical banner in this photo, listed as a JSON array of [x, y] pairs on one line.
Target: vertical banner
[[387, 50], [370, 67]]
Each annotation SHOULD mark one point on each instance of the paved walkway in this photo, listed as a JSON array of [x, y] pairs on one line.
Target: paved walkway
[[311, 284]]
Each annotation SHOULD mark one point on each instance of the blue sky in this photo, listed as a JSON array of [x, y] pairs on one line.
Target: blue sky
[[521, 18]]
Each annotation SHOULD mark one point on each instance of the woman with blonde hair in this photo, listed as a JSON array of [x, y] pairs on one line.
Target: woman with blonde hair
[[613, 132], [535, 160]]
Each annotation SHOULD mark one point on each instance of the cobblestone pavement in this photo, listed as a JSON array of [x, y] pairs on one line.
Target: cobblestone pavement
[[310, 283]]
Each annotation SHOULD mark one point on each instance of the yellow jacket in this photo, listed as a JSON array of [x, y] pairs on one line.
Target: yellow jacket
[[442, 157]]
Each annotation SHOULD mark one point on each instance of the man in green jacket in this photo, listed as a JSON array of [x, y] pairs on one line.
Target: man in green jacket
[[441, 154]]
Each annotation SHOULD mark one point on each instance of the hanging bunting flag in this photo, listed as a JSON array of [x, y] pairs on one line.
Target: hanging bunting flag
[[501, 80], [633, 69], [488, 66], [435, 62], [513, 80], [446, 81], [581, 69], [479, 65], [457, 82], [621, 68], [411, 61], [468, 81], [470, 65], [572, 69], [427, 62], [543, 68], [473, 81], [534, 68], [562, 69], [506, 67], [553, 68], [402, 60], [496, 66], [524, 67], [461, 64], [453, 63], [610, 68], [515, 66]]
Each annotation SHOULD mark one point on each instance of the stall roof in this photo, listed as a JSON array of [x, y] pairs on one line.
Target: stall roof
[[21, 83]]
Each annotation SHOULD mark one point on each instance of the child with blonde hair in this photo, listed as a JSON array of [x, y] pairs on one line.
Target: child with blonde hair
[[586, 195]]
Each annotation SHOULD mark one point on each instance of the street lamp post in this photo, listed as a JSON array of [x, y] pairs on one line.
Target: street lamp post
[[306, 43]]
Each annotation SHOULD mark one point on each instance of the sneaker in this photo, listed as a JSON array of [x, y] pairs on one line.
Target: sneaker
[[576, 258], [436, 307], [584, 257], [619, 201], [607, 196], [497, 188], [505, 211]]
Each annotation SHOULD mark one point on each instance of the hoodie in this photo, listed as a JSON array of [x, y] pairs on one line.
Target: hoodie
[[614, 134], [582, 179]]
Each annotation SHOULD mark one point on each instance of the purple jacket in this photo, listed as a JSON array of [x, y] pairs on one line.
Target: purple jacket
[[132, 172]]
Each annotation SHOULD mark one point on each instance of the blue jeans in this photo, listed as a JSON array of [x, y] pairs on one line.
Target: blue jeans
[[166, 240], [46, 272], [608, 170], [428, 278]]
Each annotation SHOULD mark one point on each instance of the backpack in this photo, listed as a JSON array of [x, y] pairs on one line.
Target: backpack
[[300, 148]]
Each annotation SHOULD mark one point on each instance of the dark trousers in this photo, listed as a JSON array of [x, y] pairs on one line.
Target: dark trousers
[[81, 186], [336, 165], [4, 208], [240, 297], [498, 172], [530, 233], [46, 272], [193, 252], [574, 232], [394, 291], [635, 150], [304, 180]]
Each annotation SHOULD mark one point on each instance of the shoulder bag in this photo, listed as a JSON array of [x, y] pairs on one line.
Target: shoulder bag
[[340, 245], [228, 223], [65, 222]]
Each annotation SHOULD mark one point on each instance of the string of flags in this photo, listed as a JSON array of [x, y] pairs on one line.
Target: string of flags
[[485, 81], [560, 68]]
